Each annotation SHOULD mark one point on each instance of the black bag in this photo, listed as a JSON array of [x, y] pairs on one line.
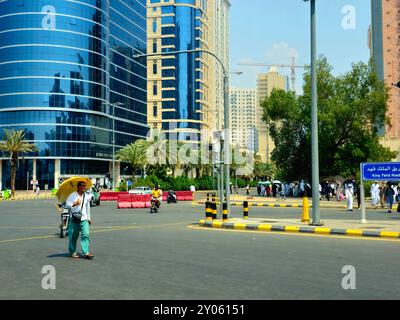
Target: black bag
[[77, 216]]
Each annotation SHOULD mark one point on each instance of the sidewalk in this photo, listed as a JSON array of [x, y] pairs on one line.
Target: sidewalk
[[340, 227], [30, 195]]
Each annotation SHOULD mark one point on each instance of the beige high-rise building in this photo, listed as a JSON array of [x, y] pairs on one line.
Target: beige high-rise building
[[384, 43], [265, 84], [184, 90], [243, 117]]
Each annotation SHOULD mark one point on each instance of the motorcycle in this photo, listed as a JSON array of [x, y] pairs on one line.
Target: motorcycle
[[154, 205], [171, 197], [65, 216]]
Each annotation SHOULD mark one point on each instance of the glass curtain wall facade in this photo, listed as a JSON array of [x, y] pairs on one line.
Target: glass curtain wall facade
[[63, 65], [178, 90]]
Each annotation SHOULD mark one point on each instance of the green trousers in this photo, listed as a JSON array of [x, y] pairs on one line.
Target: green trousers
[[73, 234]]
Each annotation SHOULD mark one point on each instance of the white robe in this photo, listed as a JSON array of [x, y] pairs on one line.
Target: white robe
[[350, 196], [375, 194]]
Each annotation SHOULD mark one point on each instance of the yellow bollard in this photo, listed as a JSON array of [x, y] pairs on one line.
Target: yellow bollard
[[306, 215]]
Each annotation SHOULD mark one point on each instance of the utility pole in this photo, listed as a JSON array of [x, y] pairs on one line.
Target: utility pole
[[314, 121]]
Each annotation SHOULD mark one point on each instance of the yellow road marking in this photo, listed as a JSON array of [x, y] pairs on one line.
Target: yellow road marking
[[239, 226], [323, 230], [217, 224], [387, 234], [264, 227], [96, 231], [25, 239], [292, 229], [351, 232]]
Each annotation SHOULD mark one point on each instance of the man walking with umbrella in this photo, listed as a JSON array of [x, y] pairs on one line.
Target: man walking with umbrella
[[79, 203]]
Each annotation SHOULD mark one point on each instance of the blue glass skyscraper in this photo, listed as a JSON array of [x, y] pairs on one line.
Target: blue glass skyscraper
[[64, 64]]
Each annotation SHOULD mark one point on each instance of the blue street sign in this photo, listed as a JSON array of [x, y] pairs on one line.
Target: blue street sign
[[129, 183], [384, 171]]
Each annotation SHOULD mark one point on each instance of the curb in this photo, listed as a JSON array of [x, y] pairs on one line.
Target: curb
[[294, 205], [294, 229]]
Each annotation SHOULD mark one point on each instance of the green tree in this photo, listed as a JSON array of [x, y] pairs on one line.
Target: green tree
[[351, 109], [135, 155], [264, 171], [14, 146]]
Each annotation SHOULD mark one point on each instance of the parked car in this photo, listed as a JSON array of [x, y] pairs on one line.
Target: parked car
[[140, 190], [95, 193]]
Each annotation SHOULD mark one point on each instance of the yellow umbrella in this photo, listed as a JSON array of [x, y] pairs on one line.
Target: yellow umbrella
[[69, 186]]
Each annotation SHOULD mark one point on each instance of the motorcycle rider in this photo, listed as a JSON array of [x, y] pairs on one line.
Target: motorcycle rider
[[156, 195], [171, 196]]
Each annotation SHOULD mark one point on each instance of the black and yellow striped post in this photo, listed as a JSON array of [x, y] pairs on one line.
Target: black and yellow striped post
[[208, 210], [245, 210], [214, 211], [225, 212]]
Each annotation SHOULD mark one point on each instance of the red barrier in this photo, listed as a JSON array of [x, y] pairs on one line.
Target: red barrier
[[184, 195], [140, 201], [124, 201], [111, 196]]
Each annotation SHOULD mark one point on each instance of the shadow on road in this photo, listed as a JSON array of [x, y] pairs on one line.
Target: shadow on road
[[59, 255]]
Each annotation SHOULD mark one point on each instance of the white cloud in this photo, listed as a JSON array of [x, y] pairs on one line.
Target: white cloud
[[281, 52]]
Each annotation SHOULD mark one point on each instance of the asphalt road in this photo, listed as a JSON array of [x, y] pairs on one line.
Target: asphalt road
[[143, 256]]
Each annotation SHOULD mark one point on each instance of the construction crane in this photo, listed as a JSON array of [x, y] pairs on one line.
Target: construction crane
[[293, 68]]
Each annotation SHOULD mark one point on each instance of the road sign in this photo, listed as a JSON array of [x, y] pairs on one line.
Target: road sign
[[383, 171]]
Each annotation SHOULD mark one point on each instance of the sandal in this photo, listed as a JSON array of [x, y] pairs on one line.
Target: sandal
[[88, 256], [75, 255]]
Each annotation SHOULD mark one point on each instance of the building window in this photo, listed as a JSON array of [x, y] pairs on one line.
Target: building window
[[155, 110], [155, 89], [155, 69], [155, 46], [154, 25]]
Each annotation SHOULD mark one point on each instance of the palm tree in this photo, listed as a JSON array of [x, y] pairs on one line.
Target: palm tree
[[135, 155], [265, 170], [14, 145]]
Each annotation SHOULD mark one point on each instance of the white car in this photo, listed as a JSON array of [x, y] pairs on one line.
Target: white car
[[140, 190]]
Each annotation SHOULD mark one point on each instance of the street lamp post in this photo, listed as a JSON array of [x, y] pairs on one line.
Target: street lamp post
[[113, 105], [226, 108], [314, 121]]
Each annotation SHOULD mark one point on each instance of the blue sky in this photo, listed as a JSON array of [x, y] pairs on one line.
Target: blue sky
[[271, 31]]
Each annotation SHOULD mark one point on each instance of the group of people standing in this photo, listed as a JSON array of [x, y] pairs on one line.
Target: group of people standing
[[283, 190], [381, 193], [388, 193]]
